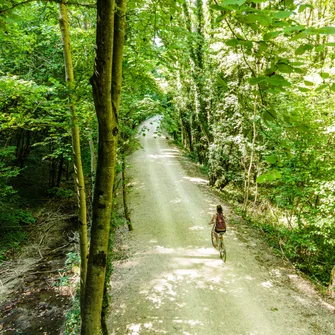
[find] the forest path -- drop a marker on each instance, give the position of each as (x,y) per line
(174,281)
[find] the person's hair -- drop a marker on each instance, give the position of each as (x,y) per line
(219,209)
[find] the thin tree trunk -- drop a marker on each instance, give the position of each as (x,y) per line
(78,169)
(124,193)
(93,160)
(254,135)
(103,192)
(332,283)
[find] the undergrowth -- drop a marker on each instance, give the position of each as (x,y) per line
(13,228)
(308,247)
(73,322)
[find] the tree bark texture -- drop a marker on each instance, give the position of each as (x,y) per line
(93,160)
(103,192)
(124,194)
(118,43)
(78,169)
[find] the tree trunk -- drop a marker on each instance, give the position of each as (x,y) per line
(103,191)
(118,43)
(331,286)
(124,193)
(93,160)
(248,176)
(78,169)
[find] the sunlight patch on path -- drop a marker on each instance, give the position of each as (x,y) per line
(196,180)
(267,284)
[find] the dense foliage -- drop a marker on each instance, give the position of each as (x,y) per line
(252,89)
(245,86)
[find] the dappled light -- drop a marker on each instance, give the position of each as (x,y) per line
(175,281)
(196,228)
(267,284)
(186,269)
(160,156)
(197,180)
(224,132)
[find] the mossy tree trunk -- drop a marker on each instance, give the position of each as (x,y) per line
(124,193)
(119,33)
(78,169)
(103,192)
(118,43)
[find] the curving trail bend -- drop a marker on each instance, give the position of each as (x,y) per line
(174,281)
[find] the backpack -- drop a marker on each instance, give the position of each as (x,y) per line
(220,224)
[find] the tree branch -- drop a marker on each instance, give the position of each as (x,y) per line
(55,1)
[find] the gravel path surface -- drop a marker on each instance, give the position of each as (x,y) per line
(174,281)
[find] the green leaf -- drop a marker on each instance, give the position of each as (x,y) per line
(251,18)
(284,68)
(297,70)
(331,44)
(282,14)
(222,84)
(262,46)
(303,89)
(303,7)
(278,80)
(270,71)
(220,18)
(269,115)
(332,87)
(272,159)
(269,176)
(217,7)
(324,75)
(255,81)
(288,3)
(303,48)
(259,18)
(265,20)
(232,43)
(326,30)
(233,2)
(271,35)
(308,83)
(297,63)
(248,44)
(320,48)
(254,27)
(262,178)
(294,29)
(321,87)
(312,31)
(298,36)
(276,174)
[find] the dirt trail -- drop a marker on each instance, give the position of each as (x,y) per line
(33,296)
(174,282)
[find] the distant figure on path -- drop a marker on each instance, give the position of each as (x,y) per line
(220,224)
